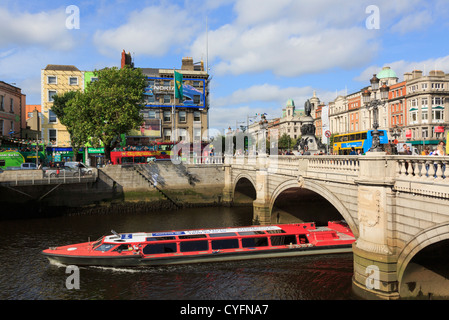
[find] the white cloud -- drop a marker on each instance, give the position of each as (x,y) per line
(151,31)
(403,66)
(263,93)
(41,29)
(289,38)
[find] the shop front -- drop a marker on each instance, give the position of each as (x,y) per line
(95,157)
(62,154)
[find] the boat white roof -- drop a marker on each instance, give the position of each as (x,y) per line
(141,236)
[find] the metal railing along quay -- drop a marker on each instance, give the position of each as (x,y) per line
(37,177)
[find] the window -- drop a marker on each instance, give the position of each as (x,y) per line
(52,80)
(196,135)
(283,240)
(152,114)
(159,248)
(51,93)
(167,134)
(189,246)
(414,116)
(167,98)
(73,81)
(424,115)
(424,102)
(12,105)
(437,101)
(167,116)
(2,102)
(437,115)
(182,116)
(105,247)
(225,244)
(52,135)
(1,127)
(425,132)
(51,117)
(196,116)
(254,242)
(149,99)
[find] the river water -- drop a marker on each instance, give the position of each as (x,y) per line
(27,275)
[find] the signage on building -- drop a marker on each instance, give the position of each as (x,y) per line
(439,129)
(408,134)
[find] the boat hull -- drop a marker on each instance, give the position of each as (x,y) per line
(138,261)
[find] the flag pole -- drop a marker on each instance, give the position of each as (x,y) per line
(174,106)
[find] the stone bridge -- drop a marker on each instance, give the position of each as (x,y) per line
(395,205)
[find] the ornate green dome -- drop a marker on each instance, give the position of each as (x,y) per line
(386,73)
(290,102)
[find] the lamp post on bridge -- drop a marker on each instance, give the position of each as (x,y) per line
(374,103)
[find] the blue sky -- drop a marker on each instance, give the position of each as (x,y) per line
(260,52)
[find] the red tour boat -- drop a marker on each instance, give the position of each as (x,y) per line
(206,245)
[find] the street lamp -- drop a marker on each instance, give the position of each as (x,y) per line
(374,103)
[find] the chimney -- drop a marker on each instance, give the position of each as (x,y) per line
(187,64)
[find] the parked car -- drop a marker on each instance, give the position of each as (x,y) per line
(63,172)
(75,165)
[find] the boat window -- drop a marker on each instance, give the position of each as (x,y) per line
(200,245)
(123,247)
(193,236)
(250,233)
(97,243)
(303,239)
(275,231)
(160,238)
(105,247)
(254,242)
(283,240)
(225,244)
(159,248)
(224,234)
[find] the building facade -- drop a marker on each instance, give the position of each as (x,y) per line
(290,122)
(427,104)
(12,111)
(167,118)
(57,79)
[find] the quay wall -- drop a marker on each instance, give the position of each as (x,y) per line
(115,189)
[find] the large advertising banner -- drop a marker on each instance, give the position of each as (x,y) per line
(193,96)
(325,123)
(150,128)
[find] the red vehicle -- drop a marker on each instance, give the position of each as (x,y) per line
(206,245)
(157,151)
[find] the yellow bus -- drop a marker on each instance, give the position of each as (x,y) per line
(362,140)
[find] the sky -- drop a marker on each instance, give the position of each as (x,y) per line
(260,53)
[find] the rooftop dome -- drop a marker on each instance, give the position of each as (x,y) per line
(290,102)
(386,73)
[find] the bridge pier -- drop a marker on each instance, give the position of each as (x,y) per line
(375,264)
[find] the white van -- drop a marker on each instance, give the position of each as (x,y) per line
(75,165)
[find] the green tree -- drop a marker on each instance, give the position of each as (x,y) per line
(111,105)
(285,142)
(70,119)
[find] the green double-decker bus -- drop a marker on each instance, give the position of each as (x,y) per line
(11,159)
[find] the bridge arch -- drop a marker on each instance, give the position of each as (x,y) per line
(240,176)
(322,191)
(421,241)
